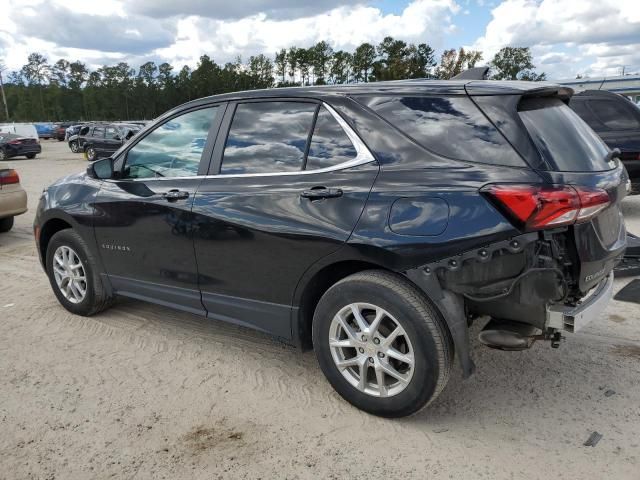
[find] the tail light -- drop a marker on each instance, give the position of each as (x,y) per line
(9,177)
(535,207)
(15,142)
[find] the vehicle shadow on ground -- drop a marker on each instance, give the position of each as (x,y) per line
(545,380)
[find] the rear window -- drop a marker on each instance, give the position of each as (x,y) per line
(449,126)
(565,142)
(615,115)
(585,113)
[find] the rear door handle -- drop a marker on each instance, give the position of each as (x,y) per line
(173,195)
(317,193)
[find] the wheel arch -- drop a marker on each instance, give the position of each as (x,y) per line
(313,286)
(48,230)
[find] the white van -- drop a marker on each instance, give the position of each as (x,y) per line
(23,129)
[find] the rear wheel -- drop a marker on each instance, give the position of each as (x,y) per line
(74,147)
(6,224)
(381,344)
(3,154)
(72,274)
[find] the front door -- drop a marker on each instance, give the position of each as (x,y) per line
(143,220)
(284,195)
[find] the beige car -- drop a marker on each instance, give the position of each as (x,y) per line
(13,198)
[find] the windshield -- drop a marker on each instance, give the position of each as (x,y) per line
(565,142)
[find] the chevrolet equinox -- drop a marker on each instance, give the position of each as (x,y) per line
(373,223)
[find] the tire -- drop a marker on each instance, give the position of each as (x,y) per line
(74,147)
(31,156)
(96,297)
(425,340)
(90,153)
(3,154)
(6,224)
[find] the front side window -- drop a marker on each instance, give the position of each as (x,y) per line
(330,144)
(267,137)
(173,149)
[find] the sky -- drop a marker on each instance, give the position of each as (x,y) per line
(567,37)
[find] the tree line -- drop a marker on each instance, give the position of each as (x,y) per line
(69,90)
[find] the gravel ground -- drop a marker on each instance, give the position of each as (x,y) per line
(142,391)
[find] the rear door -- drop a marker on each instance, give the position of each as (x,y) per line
(143,222)
(289,182)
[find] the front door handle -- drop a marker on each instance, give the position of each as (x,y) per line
(317,193)
(173,195)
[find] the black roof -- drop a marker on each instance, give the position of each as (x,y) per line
(419,86)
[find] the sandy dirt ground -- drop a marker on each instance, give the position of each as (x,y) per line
(141,391)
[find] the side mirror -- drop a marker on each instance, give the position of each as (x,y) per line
(101,169)
(117,137)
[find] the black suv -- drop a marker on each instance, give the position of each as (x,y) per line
(373,223)
(103,140)
(617,121)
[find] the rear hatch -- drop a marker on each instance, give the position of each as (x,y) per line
(564,150)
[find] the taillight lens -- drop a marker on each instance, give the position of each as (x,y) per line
(15,142)
(9,177)
(535,207)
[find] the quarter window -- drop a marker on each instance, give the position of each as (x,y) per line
(268,137)
(330,145)
(449,126)
(173,149)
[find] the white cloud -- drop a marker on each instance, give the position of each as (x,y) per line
(119,30)
(591,28)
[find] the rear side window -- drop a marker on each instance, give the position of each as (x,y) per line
(98,132)
(112,132)
(267,137)
(615,115)
(330,144)
(565,142)
(449,126)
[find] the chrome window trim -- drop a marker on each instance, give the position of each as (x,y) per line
(363,156)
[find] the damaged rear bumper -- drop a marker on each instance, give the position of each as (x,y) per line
(573,318)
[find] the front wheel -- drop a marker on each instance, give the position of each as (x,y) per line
(381,344)
(74,147)
(90,153)
(30,156)
(73,276)
(3,154)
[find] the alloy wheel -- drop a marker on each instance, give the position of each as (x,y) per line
(70,274)
(371,349)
